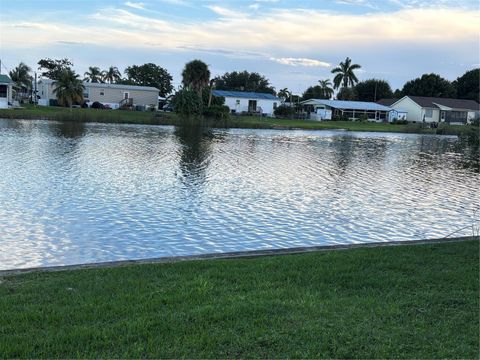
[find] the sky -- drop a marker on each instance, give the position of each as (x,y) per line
(294,43)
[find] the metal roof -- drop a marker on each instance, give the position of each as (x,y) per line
(4,79)
(108,86)
(348,105)
(245,95)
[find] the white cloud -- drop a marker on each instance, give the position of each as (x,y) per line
(255,6)
(277,32)
(135,5)
(224,12)
(300,62)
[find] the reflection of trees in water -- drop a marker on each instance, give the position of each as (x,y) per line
(195,152)
(69,129)
(343,152)
(469,144)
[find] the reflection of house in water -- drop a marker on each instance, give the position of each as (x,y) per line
(321,109)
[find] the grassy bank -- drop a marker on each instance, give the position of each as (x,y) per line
(162,118)
(416,301)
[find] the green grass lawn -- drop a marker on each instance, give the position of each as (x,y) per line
(162,118)
(413,301)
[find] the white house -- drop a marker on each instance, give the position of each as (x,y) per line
(240,101)
(6,89)
(114,95)
(322,109)
(430,109)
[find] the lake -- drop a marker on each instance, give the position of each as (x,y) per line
(74,193)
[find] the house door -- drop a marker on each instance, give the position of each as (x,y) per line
(252,105)
(126,95)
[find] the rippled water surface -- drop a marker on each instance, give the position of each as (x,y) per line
(79,193)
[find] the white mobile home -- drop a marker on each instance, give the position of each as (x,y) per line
(251,102)
(6,89)
(321,109)
(430,109)
(114,95)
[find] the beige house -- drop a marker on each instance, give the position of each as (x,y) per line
(430,109)
(114,95)
(6,90)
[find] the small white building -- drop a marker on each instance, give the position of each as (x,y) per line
(430,109)
(113,95)
(322,109)
(249,102)
(6,90)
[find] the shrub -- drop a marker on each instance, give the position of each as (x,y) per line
(284,111)
(97,105)
(187,102)
(217,112)
(400,122)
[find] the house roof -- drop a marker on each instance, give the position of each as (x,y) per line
(348,105)
(431,102)
(387,102)
(245,95)
(4,79)
(108,86)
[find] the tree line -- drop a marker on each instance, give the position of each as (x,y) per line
(345,82)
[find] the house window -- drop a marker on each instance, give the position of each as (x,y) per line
(85,94)
(428,113)
(102,92)
(237,102)
(274,105)
(126,95)
(3,91)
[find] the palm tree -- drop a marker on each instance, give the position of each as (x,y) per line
(284,94)
(345,75)
(68,88)
(326,86)
(94,75)
(22,78)
(196,76)
(112,75)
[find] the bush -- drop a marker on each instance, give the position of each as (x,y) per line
(400,122)
(187,102)
(284,111)
(217,112)
(97,105)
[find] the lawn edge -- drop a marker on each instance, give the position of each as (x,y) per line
(234,255)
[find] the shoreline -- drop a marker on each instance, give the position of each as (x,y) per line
(231,255)
(241,122)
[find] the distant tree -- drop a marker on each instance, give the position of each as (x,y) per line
(397,94)
(373,90)
(68,88)
(345,74)
(468,85)
(314,92)
(431,85)
(112,75)
(244,81)
(196,75)
(20,75)
(284,94)
(52,68)
(149,75)
(327,89)
(94,75)
(347,93)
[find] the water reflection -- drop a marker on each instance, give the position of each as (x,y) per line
(195,152)
(73,193)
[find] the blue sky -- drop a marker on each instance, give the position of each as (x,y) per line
(293,43)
